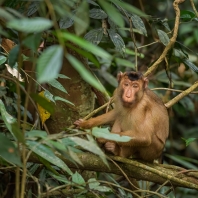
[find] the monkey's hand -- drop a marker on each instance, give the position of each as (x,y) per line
(85,124)
(112,147)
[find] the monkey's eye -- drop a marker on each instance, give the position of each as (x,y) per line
(126,84)
(135,86)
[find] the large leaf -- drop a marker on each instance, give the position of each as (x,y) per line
(89,146)
(5,15)
(86,45)
(112,12)
(85,74)
(48,155)
(94,36)
(97,14)
(109,78)
(138,24)
(117,41)
(187,15)
(30,25)
(163,37)
(104,133)
(8,151)
(49,63)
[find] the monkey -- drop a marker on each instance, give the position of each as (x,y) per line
(138,113)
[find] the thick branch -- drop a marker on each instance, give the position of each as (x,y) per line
(142,171)
(172,40)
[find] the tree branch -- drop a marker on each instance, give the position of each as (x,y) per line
(172,40)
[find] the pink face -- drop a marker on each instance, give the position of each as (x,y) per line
(130,91)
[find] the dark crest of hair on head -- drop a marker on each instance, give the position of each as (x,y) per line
(134,75)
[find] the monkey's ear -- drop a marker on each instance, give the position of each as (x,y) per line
(146,81)
(119,76)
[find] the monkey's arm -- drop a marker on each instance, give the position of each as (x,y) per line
(102,119)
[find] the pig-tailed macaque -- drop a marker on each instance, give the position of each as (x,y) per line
(138,113)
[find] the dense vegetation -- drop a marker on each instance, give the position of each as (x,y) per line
(58,62)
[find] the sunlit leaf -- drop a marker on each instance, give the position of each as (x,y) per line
(163,37)
(95,185)
(94,36)
(97,13)
(48,155)
(8,151)
(86,45)
(139,24)
(85,74)
(30,25)
(49,63)
(104,133)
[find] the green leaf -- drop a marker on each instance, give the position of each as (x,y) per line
(57,85)
(78,179)
(95,185)
(179,54)
(18,133)
(82,13)
(97,13)
(86,45)
(139,24)
(112,12)
(49,96)
(66,22)
(7,118)
(5,15)
(13,56)
(2,59)
(32,8)
(117,41)
(48,155)
(60,178)
(85,74)
(92,2)
(124,62)
(43,102)
(104,133)
(30,25)
(129,7)
(63,99)
(187,15)
(94,36)
(163,37)
(191,65)
(36,133)
(32,41)
(89,146)
(8,151)
(49,63)
(63,76)
(109,78)
(189,140)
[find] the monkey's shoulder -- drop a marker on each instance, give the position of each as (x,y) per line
(151,96)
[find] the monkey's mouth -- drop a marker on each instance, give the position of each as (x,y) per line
(127,103)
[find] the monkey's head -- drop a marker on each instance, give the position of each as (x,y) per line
(131,87)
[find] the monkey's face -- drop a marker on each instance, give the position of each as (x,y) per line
(131,91)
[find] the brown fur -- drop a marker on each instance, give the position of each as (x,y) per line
(138,113)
